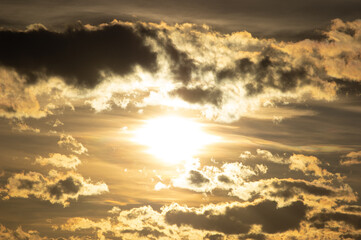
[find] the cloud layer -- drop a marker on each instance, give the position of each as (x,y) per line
(224,76)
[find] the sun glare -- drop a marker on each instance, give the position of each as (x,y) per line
(173,139)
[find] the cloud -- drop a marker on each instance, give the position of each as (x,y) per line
(56,187)
(267,155)
(297,162)
(321,219)
(58,123)
(19,234)
(261,219)
(159,186)
(199,95)
(308,165)
(236,220)
(78,55)
(288,190)
(351,158)
(59,160)
(236,179)
(209,177)
(21,126)
(15,99)
(224,76)
(196,178)
(70,143)
(208,222)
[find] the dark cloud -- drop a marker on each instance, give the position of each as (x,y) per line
(67,186)
(199,95)
(181,64)
(347,87)
(351,236)
(294,36)
(77,54)
(288,189)
(255,236)
(224,179)
(145,232)
(213,237)
(237,220)
(260,17)
(321,219)
(353,208)
(27,184)
(196,178)
(271,71)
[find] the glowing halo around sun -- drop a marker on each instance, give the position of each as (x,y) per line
(173,139)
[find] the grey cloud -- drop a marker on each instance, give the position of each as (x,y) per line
(237,220)
(66,186)
(269,72)
(182,65)
(199,95)
(224,179)
(196,178)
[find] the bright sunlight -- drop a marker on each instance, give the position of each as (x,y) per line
(173,139)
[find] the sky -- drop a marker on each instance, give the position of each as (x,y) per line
(165,120)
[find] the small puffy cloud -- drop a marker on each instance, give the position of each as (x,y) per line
(267,155)
(59,160)
(351,158)
(277,119)
(264,155)
(308,165)
(70,143)
(246,155)
(21,126)
(58,123)
(209,177)
(159,186)
(56,187)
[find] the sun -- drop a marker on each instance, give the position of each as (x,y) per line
(173,139)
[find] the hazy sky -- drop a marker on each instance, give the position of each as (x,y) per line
(180,120)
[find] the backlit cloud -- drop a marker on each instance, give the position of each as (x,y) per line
(56,187)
